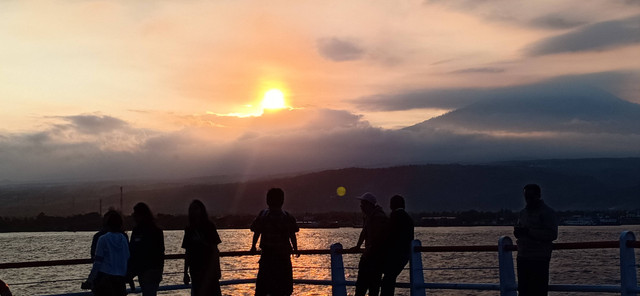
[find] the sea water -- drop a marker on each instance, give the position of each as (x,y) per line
(589,267)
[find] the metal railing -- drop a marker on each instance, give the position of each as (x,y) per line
(508,286)
(507,281)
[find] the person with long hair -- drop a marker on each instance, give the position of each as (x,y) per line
(202,260)
(109,269)
(147,250)
(401,234)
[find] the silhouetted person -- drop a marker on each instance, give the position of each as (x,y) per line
(202,258)
(374,235)
(535,230)
(110,263)
(97,235)
(4,289)
(399,244)
(278,230)
(147,250)
(94,244)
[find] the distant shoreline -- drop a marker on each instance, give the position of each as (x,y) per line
(471,218)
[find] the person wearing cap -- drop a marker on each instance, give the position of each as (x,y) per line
(400,238)
(536,229)
(374,235)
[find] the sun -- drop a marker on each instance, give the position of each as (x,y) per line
(273,99)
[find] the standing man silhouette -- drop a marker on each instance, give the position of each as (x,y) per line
(536,229)
(400,238)
(278,230)
(374,235)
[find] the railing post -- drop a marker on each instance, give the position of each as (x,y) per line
(505,261)
(628,277)
(338,282)
(416,275)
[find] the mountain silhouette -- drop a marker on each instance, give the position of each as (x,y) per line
(544,107)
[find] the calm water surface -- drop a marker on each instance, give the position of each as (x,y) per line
(567,266)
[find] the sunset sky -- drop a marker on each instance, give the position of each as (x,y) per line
(96,90)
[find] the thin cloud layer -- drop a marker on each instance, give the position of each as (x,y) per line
(479,70)
(556,22)
(552,15)
(339,50)
(600,36)
(454,98)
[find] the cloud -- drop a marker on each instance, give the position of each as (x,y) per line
(418,99)
(339,50)
(599,36)
(479,70)
(561,15)
(95,147)
(313,140)
(94,124)
(454,98)
(548,108)
(556,22)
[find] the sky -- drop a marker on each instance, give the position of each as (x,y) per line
(103,90)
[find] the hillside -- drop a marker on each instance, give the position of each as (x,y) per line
(585,184)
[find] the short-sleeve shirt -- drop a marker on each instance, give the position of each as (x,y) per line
(275,227)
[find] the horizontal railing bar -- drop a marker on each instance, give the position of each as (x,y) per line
(556,246)
(44,263)
(584,288)
(231,282)
(459,268)
(587,245)
(438,249)
(496,287)
(461,286)
(431,286)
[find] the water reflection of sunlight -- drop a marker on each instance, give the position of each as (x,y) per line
(567,266)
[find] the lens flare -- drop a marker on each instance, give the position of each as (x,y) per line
(341,191)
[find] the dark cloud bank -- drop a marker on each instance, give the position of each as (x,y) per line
(568,117)
(599,36)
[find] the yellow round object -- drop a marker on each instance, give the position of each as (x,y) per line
(341,191)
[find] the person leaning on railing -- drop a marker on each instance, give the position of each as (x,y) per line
(401,234)
(374,235)
(112,253)
(147,251)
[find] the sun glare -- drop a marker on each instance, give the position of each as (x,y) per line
(273,99)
